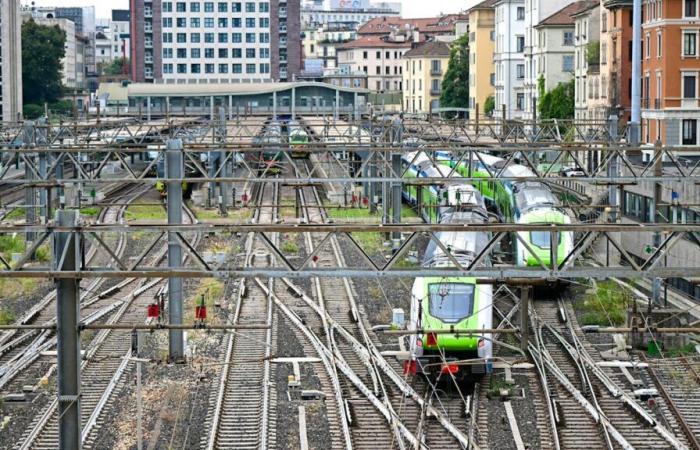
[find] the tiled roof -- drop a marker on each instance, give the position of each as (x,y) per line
(563,16)
(431,48)
(484,5)
(384,25)
(374,41)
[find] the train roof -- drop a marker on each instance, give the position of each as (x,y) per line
(515,170)
(463,246)
(531,195)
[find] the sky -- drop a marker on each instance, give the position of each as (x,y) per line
(411,8)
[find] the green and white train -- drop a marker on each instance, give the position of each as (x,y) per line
(449,304)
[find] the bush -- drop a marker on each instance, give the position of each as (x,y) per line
(6,317)
(32,111)
(62,107)
(607,306)
(489,105)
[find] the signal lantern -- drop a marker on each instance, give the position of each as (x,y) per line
(200,310)
(450,368)
(153,311)
(432,340)
(410,367)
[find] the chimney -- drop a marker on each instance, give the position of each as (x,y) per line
(416,35)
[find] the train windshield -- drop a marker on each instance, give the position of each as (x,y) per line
(451,302)
(542,239)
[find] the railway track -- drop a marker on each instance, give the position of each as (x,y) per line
(592,407)
(244,411)
(107,360)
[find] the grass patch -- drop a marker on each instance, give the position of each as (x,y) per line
(13,288)
(145,212)
(15,214)
(607,306)
(290,247)
(206,214)
(91,211)
(11,244)
(241,214)
(371,243)
(7,317)
(677,352)
(364,214)
(212,289)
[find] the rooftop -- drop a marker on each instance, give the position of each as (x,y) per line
(486,4)
(431,48)
(374,41)
(384,25)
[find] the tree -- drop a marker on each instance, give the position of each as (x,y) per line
(43,47)
(489,105)
(559,102)
(116,67)
(455,86)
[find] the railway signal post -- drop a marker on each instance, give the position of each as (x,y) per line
(66,257)
(524,316)
(174,172)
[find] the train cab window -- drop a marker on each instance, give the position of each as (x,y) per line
(451,302)
(542,239)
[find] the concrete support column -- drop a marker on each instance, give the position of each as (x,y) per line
(524,317)
(167,106)
(66,248)
(211,108)
(174,172)
(635,123)
(274,105)
(294,102)
(356,107)
(148,108)
(336,111)
(29,200)
(373,186)
(230,107)
(396,195)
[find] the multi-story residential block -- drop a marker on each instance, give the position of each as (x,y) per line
(424,69)
(199,42)
(104,50)
(120,26)
(351,16)
(320,42)
(508,58)
(670,72)
(535,11)
(85,25)
(616,57)
(482,39)
(587,23)
(380,57)
(10,61)
(553,49)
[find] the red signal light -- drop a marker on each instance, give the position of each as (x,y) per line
(153,311)
(432,340)
(410,367)
(450,368)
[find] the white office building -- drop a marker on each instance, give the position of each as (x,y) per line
(10,61)
(535,12)
(508,58)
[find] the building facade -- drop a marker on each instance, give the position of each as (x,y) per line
(616,56)
(424,69)
(553,50)
(509,59)
(351,18)
(119,25)
(587,61)
(535,11)
(670,72)
(215,42)
(70,63)
(380,57)
(482,37)
(10,61)
(320,42)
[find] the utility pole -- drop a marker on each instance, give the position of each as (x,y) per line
(173,172)
(658,189)
(524,316)
(67,257)
(635,123)
(396,194)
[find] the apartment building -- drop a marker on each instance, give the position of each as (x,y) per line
(587,73)
(320,42)
(670,72)
(616,57)
(120,27)
(380,57)
(482,37)
(535,12)
(509,59)
(69,77)
(424,69)
(353,17)
(215,42)
(10,61)
(445,28)
(553,49)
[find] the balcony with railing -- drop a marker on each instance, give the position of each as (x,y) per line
(436,71)
(282,12)
(283,42)
(147,12)
(148,43)
(435,92)
(657,103)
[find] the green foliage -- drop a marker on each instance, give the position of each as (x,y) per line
(43,48)
(455,86)
(31,111)
(558,103)
(62,107)
(91,211)
(290,247)
(6,317)
(116,67)
(15,214)
(145,212)
(489,105)
(607,306)
(593,53)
